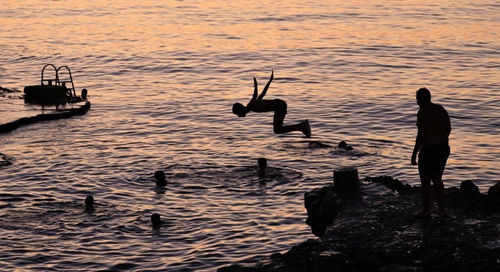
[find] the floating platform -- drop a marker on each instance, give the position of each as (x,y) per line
(56,90)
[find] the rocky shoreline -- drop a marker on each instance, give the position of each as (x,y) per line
(373,230)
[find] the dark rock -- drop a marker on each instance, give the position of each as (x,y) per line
(322,206)
(469,186)
(276,256)
(346,179)
(399,268)
(494,190)
(472,204)
(390,182)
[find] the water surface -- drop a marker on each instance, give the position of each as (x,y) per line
(162,77)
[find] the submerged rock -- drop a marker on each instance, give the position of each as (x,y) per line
(494,190)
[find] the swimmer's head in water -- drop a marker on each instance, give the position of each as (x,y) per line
(161,179)
(155,221)
(342,144)
(239,110)
(89,201)
(84,94)
(262,163)
(262,167)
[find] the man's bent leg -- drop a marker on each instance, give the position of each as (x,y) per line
(279,128)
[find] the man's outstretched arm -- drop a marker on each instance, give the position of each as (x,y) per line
(255,89)
(267,86)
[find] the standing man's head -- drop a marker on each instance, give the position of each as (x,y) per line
(239,110)
(423,96)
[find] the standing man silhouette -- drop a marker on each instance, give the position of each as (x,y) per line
(431,144)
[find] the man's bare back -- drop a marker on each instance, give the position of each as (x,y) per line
(433,124)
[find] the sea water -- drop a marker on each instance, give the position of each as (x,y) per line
(162,77)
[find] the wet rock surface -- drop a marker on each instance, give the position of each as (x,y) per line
(322,207)
(375,231)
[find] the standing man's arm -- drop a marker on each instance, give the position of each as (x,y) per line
(418,143)
(448,123)
(416,148)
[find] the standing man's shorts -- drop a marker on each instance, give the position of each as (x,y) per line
(279,106)
(432,160)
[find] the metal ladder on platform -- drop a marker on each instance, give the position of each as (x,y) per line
(57,80)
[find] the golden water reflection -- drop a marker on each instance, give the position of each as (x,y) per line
(209,25)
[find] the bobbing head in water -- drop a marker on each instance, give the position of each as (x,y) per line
(161,179)
(84,94)
(343,144)
(262,166)
(156,221)
(89,202)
